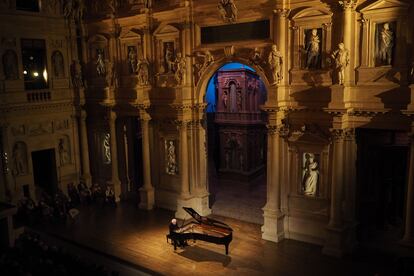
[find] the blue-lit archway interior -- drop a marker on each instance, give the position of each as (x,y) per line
(211,93)
(236,139)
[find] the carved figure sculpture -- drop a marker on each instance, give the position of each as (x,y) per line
(19,159)
(111,75)
(100,64)
(180,66)
(132,60)
(256,57)
(68,9)
(76,74)
(169,58)
(58,66)
(107,148)
(64,153)
(341,58)
(171,158)
(143,72)
(208,59)
(312,49)
(275,60)
(386,44)
(310,175)
(227,10)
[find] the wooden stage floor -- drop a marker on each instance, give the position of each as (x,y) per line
(138,237)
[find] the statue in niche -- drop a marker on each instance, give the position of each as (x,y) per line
(225,99)
(275,60)
(19,159)
(341,58)
(143,72)
(100,63)
(171,167)
(310,176)
(226,159)
(64,152)
(169,57)
(227,10)
(385,44)
(132,60)
(58,65)
(180,67)
(107,148)
(313,49)
(10,65)
(239,100)
(76,74)
(233,97)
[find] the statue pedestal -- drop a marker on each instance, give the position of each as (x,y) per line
(198,203)
(273,226)
(340,240)
(146,198)
(337,97)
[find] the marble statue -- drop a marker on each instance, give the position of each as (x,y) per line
(180,66)
(19,159)
(225,99)
(169,58)
(100,64)
(132,60)
(310,175)
(386,44)
(341,58)
(10,65)
(58,65)
(171,167)
(76,74)
(227,10)
(313,49)
(64,153)
(143,72)
(275,60)
(107,148)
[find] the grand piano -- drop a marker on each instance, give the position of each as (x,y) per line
(204,229)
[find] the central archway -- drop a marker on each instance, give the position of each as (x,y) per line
(236,142)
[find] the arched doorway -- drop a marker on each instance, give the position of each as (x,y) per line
(236,142)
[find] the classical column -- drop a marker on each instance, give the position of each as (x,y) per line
(349,37)
(334,243)
(273,228)
(84,149)
(146,191)
(408,238)
(114,156)
(183,166)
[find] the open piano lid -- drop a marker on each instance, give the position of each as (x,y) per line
(205,220)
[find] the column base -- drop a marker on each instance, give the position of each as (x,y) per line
(273,226)
(147,200)
(198,203)
(116,184)
(87,179)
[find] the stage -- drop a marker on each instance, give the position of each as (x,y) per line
(138,238)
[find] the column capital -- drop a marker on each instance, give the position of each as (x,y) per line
(348,4)
(182,123)
(282,12)
(337,134)
(349,134)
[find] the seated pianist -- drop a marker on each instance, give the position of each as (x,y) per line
(174,228)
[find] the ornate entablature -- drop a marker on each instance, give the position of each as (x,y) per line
(312,35)
(383,42)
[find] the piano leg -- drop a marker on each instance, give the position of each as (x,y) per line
(227,249)
(175,244)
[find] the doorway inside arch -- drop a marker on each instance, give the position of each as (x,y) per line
(236,136)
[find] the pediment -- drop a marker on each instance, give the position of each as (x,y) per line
(131,33)
(308,138)
(385,5)
(311,13)
(99,38)
(166,29)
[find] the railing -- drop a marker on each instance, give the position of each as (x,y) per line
(40,96)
